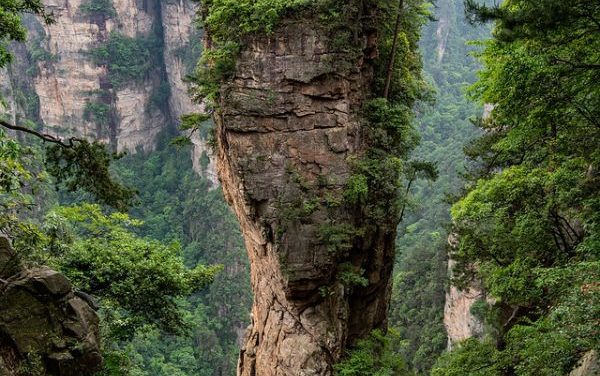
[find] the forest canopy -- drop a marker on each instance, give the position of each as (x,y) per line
(528,225)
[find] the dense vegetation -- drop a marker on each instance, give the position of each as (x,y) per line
(128,60)
(179,206)
(527,222)
(140,283)
(528,225)
(420,273)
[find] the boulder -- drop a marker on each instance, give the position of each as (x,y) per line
(44,326)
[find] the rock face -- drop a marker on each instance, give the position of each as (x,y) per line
(460,323)
(69,79)
(56,82)
(182,44)
(45,328)
(287,129)
(589,365)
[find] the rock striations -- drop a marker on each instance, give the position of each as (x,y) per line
(57,83)
(288,130)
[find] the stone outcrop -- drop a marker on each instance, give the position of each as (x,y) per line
(45,326)
(287,129)
(589,365)
(181,39)
(70,79)
(54,78)
(460,323)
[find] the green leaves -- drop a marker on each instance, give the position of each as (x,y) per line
(227,17)
(376,355)
(139,280)
(521,226)
(85,166)
(98,7)
(128,59)
(11,27)
(471,358)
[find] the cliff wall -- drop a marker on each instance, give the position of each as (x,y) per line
(57,81)
(287,130)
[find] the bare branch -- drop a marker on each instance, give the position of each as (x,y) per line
(390,68)
(43,136)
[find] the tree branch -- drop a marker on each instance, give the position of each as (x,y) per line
(43,136)
(390,68)
(577,65)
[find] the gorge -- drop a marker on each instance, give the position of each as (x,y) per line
(302,187)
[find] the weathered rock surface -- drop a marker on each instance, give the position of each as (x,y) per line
(181,39)
(44,326)
(54,78)
(589,365)
(287,129)
(460,323)
(66,83)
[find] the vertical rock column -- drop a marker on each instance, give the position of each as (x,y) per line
(287,132)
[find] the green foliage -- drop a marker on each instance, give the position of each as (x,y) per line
(139,280)
(226,22)
(350,276)
(84,166)
(103,8)
(418,295)
(470,358)
(96,112)
(377,355)
(12,28)
(13,174)
(140,283)
(32,365)
(128,59)
(215,66)
(38,54)
(227,17)
(528,221)
(23,189)
(179,206)
(338,238)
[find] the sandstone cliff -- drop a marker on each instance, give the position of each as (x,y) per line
(460,323)
(287,129)
(56,82)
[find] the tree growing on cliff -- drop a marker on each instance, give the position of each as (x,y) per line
(77,163)
(529,224)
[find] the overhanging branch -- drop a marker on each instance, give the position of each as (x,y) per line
(43,136)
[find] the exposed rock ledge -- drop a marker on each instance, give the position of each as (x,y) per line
(44,325)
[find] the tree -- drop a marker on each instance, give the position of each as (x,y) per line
(138,280)
(11,27)
(528,225)
(78,163)
(377,355)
